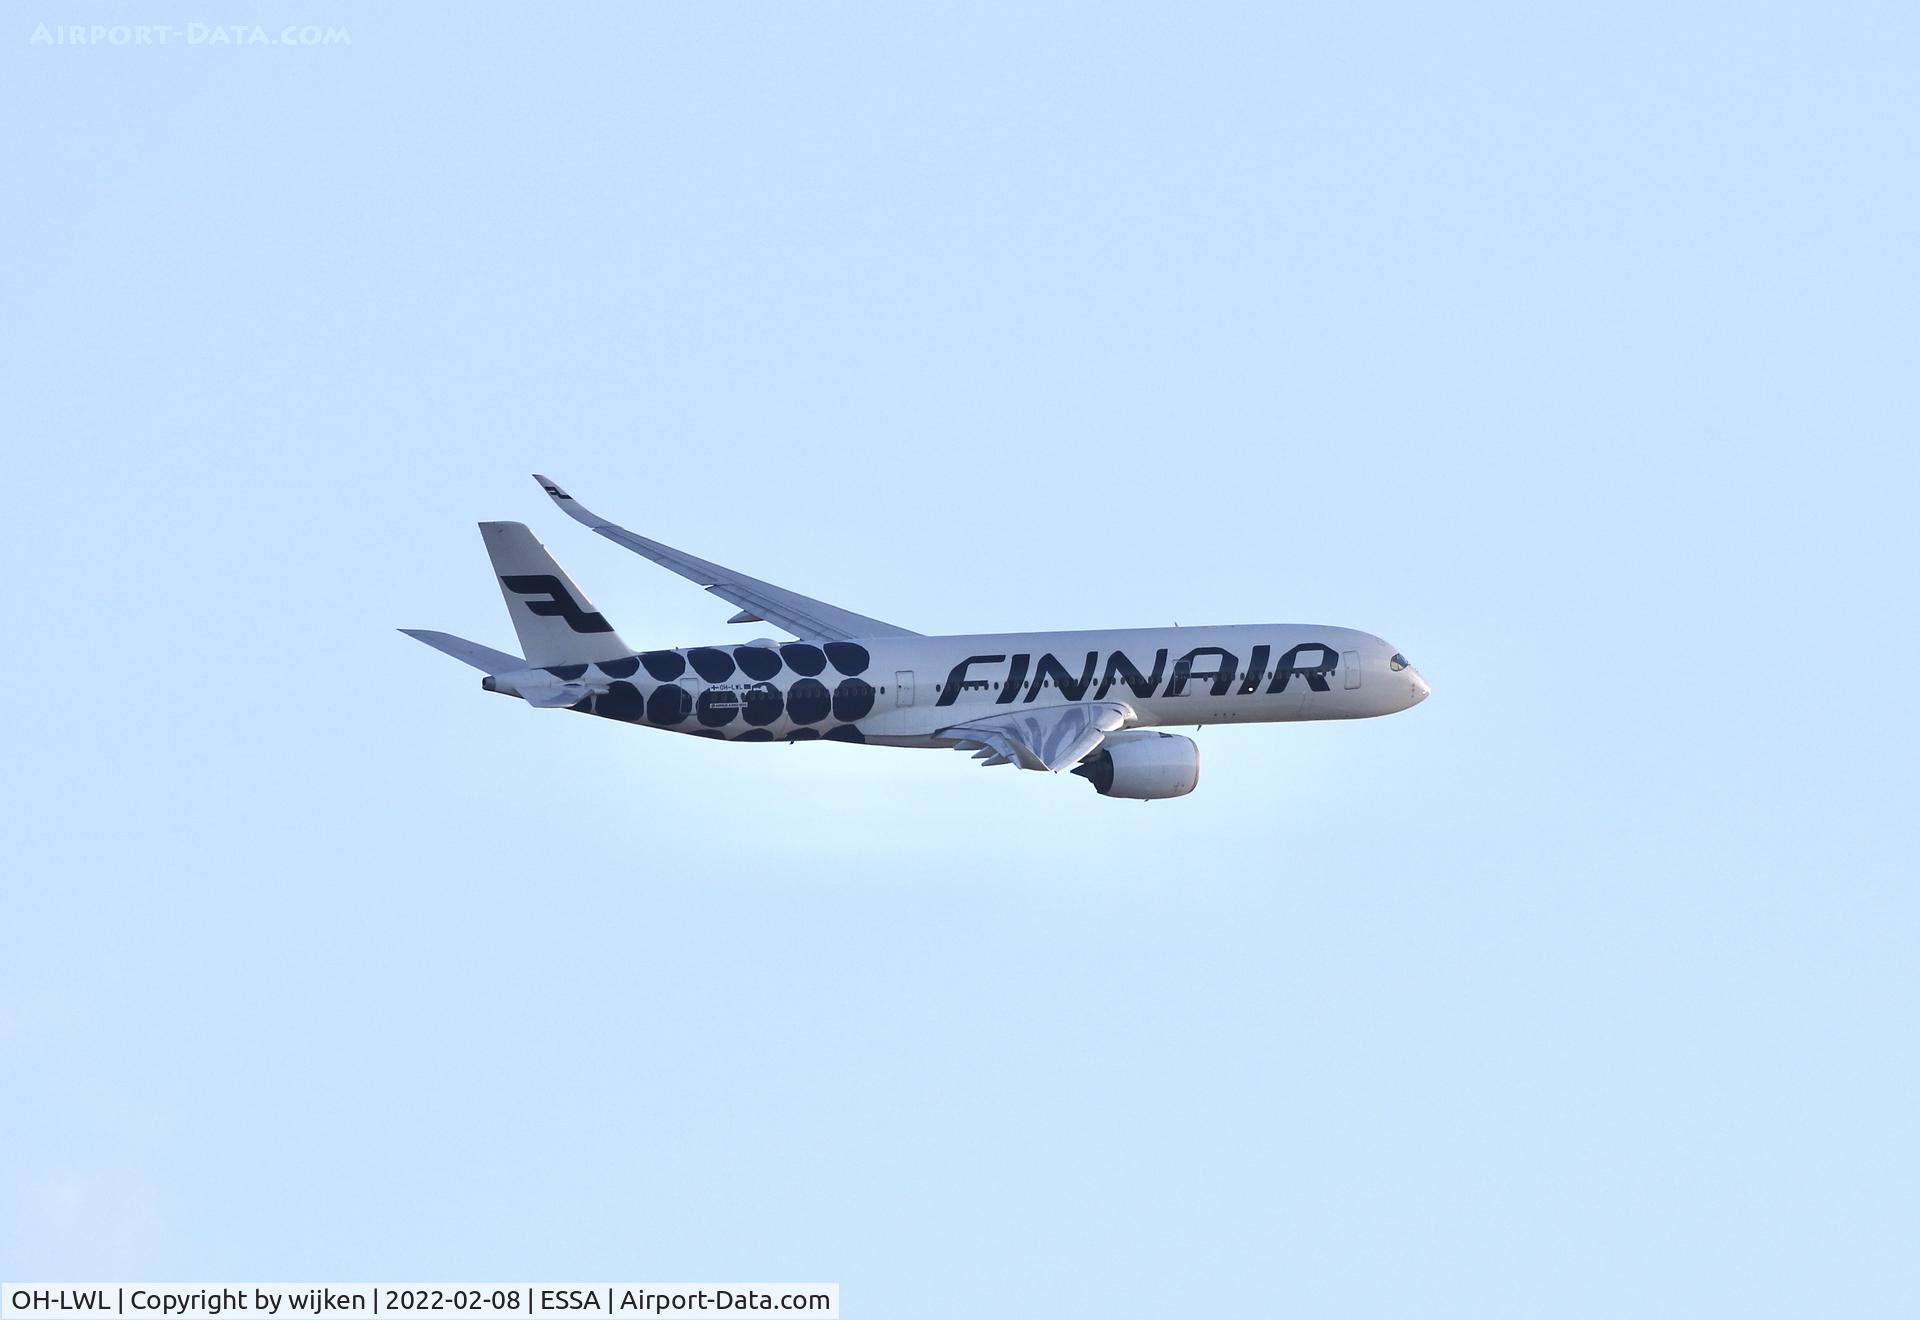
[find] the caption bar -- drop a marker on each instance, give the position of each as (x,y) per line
(362,1301)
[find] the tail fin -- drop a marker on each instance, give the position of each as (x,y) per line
(556,622)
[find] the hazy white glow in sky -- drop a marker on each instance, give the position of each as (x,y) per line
(1572,353)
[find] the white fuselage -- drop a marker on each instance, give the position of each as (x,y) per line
(903,691)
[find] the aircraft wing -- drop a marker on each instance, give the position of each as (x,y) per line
(1050,738)
(803,616)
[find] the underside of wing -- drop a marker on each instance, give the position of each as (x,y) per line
(1051,738)
(803,616)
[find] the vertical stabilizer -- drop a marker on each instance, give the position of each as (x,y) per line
(557,624)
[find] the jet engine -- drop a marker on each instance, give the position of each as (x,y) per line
(1143,764)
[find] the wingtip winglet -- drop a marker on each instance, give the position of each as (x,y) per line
(551,487)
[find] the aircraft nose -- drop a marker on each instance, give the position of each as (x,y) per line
(1420,689)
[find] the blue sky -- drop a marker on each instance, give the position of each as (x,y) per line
(1572,352)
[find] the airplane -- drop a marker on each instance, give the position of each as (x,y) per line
(1093,702)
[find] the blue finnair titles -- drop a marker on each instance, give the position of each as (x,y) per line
(1092,702)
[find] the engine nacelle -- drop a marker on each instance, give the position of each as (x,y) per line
(1143,764)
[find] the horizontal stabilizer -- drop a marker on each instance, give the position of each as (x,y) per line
(483,658)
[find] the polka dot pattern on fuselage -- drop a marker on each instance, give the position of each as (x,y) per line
(621,701)
(668,704)
(717,708)
(711,663)
(808,701)
(664,665)
(850,658)
(804,658)
(764,704)
(852,699)
(761,662)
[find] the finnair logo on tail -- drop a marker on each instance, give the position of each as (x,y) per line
(559,601)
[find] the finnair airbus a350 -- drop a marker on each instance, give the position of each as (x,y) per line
(1086,701)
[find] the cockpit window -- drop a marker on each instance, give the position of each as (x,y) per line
(1398,662)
